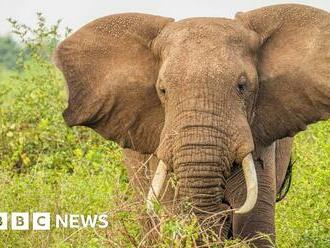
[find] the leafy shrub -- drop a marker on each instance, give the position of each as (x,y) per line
(9,51)
(303,217)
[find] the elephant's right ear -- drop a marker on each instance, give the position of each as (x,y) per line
(111,74)
(293,69)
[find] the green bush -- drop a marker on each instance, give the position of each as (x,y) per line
(302,219)
(9,51)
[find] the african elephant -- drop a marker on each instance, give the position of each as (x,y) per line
(210,98)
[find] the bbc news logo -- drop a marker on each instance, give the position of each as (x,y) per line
(42,221)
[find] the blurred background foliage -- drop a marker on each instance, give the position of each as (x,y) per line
(46,166)
(9,51)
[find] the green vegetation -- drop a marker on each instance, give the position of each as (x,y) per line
(303,218)
(9,51)
(46,166)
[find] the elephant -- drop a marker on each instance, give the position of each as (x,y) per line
(213,101)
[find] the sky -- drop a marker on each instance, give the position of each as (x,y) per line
(75,13)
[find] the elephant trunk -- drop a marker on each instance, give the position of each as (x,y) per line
(201,149)
(202,186)
(201,163)
(201,166)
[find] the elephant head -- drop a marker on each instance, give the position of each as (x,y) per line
(202,92)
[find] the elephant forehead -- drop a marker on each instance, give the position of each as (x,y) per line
(203,34)
(178,70)
(203,67)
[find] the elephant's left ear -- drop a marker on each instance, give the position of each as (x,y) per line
(293,69)
(111,74)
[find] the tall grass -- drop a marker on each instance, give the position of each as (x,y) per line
(46,166)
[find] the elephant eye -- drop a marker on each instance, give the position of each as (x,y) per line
(242,85)
(162,91)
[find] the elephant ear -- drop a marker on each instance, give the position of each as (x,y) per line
(111,74)
(293,69)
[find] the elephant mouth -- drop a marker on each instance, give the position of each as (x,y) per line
(249,175)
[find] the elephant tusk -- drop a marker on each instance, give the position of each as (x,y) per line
(251,185)
(156,184)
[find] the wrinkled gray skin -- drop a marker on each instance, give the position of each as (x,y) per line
(202,93)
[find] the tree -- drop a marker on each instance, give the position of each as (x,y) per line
(9,51)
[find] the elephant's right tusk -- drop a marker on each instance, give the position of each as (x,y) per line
(156,184)
(251,185)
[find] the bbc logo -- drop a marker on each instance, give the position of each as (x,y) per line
(21,221)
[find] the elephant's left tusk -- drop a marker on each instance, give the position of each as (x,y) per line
(251,185)
(156,184)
